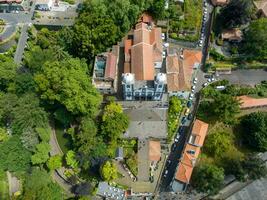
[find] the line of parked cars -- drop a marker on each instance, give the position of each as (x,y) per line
(205,17)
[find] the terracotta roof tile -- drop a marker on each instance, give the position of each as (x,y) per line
(183,173)
(249,102)
(127,49)
(110,70)
(142,61)
(199,130)
(154,150)
(172,64)
(173,82)
(141,34)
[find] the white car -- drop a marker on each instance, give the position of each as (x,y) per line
(163,36)
(164,54)
(205,84)
(191,98)
(166,172)
(166,45)
(209,80)
(191,95)
(212,79)
(200,45)
(195,79)
(175,140)
(193,87)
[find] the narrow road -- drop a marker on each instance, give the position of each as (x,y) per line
(21,44)
(14,184)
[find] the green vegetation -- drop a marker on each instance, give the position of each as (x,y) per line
(207,178)
(130,154)
(108,171)
(2,25)
(54,162)
(4,192)
(255,130)
(185,19)
(175,108)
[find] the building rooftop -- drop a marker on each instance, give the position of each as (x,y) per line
(154,150)
(232,34)
(199,131)
(11,1)
(147,122)
(111,63)
(219,2)
(249,102)
(261,5)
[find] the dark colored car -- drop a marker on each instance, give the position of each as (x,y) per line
(208,76)
(183,120)
(189,104)
(190,116)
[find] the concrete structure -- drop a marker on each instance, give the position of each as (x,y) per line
(179,70)
(105,71)
(232,35)
(44,4)
(189,156)
(261,6)
(142,78)
(250,102)
(219,2)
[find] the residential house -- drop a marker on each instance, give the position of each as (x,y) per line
(261,6)
(219,2)
(105,71)
(250,102)
(189,157)
(142,78)
(179,70)
(232,35)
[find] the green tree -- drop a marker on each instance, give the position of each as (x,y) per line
(39,186)
(7,103)
(234,167)
(114,121)
(28,114)
(67,83)
(207,178)
(3,135)
(255,130)
(256,47)
(13,156)
(29,139)
(24,83)
(7,73)
(41,154)
(225,107)
(71,159)
(218,143)
(236,13)
(108,171)
(175,105)
(54,162)
(254,167)
(44,134)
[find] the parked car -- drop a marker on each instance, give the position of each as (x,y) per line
(187,111)
(163,36)
(207,76)
(205,84)
(212,79)
(190,116)
(209,80)
(183,120)
(166,172)
(189,104)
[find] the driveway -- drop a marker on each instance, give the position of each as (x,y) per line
(246,77)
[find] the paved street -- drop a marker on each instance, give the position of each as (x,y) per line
(21,44)
(246,77)
(10,27)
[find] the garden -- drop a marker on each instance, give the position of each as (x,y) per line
(185,20)
(234,138)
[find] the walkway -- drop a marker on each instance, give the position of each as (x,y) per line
(14,184)
(58,174)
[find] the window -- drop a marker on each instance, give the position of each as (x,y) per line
(160,86)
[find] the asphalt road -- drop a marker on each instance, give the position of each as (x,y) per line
(21,44)
(245,77)
(10,28)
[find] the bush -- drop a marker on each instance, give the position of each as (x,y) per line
(173,35)
(216,56)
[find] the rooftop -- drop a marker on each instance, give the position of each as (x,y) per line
(249,102)
(219,2)
(232,34)
(262,6)
(199,130)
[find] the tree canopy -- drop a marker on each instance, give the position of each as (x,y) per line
(13,156)
(108,171)
(67,83)
(207,178)
(255,43)
(54,162)
(255,130)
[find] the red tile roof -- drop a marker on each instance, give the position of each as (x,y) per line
(191,152)
(154,150)
(110,70)
(142,62)
(200,130)
(219,2)
(249,102)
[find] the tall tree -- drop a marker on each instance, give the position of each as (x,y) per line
(68,84)
(7,73)
(54,162)
(236,13)
(255,43)
(13,156)
(108,171)
(41,154)
(207,178)
(255,130)
(29,139)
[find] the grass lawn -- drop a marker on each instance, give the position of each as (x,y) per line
(63,139)
(3,186)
